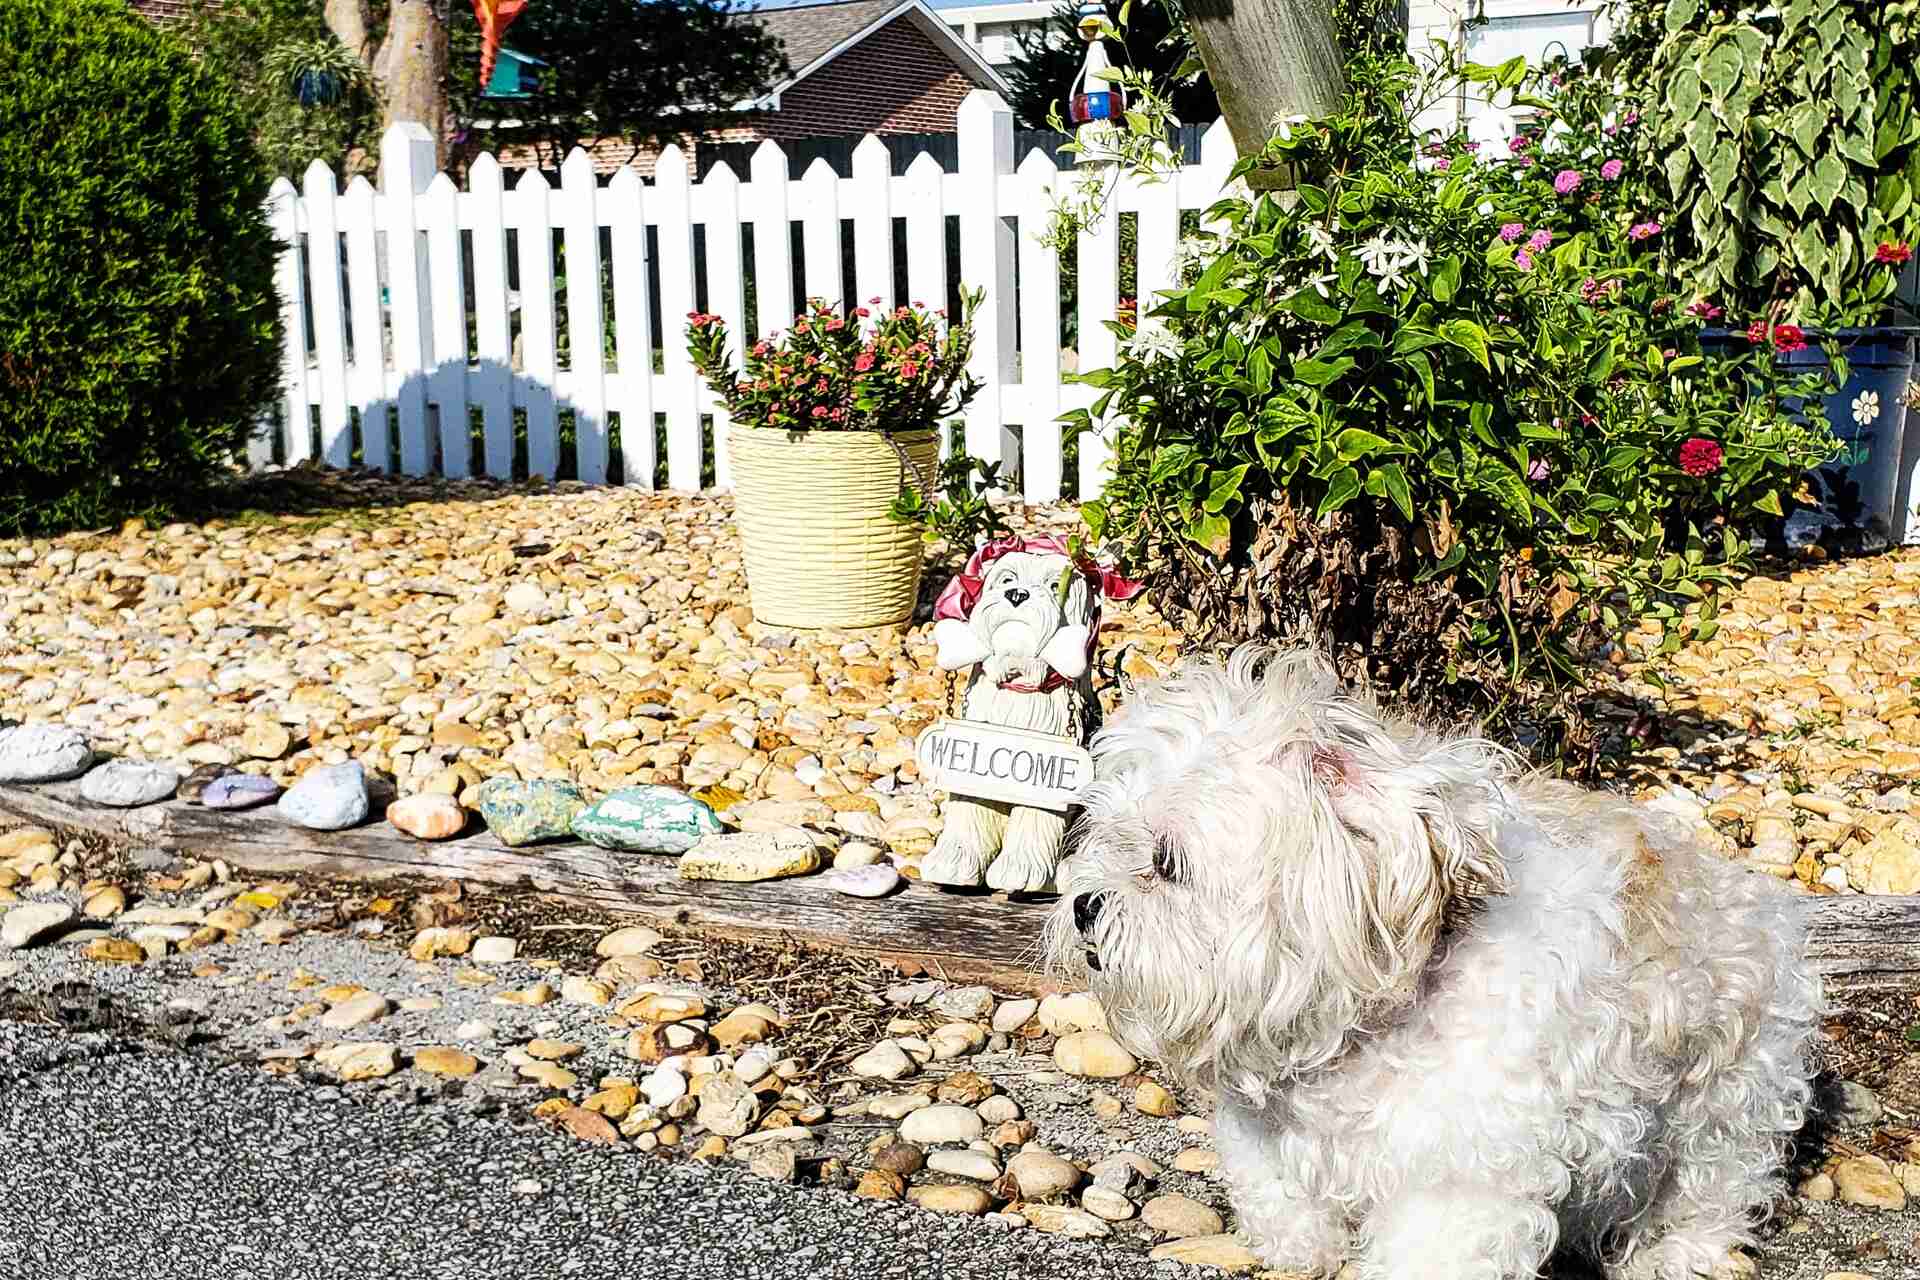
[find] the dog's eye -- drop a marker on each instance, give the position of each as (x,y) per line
(1166,863)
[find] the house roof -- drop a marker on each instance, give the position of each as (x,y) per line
(816,34)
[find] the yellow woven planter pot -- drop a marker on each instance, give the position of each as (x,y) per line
(812,509)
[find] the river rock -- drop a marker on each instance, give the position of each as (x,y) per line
(647,819)
(1058,1220)
(633,940)
(520,813)
(1041,1175)
(954,1199)
(1093,1054)
(930,1126)
(875,880)
(358,1061)
(1181,1217)
(965,1163)
(125,784)
(42,753)
(26,925)
(1221,1251)
(727,1107)
(238,791)
(329,798)
(1869,1182)
(751,855)
(428,817)
(885,1061)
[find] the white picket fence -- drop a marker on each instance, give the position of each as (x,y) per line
(384,326)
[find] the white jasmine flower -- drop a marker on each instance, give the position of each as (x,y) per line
(1414,254)
(1153,342)
(1320,240)
(1320,282)
(1866,408)
(1283,126)
(1378,255)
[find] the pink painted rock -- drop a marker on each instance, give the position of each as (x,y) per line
(429,817)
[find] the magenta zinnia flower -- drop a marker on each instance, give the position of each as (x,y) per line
(1566,180)
(1511,231)
(1612,169)
(1643,230)
(1701,457)
(1523,260)
(1539,240)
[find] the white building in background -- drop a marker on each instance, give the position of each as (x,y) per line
(1489,31)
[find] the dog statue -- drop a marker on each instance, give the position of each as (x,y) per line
(1455,1016)
(1025,615)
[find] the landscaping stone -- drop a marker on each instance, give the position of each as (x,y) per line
(521,813)
(1041,1175)
(648,819)
(965,1164)
(196,782)
(239,791)
(1180,1218)
(944,1123)
(126,784)
(42,753)
(329,798)
(428,817)
(951,1199)
(24,926)
(1059,1220)
(872,881)
(1223,1252)
(1093,1054)
(751,855)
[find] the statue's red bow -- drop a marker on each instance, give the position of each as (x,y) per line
(957,599)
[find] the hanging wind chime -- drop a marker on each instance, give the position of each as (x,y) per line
(495,16)
(1096,103)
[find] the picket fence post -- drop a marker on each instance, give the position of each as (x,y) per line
(406,168)
(284,205)
(986,260)
(586,325)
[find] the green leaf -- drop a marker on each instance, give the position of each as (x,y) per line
(1423,367)
(1170,461)
(1342,486)
(1469,337)
(1354,333)
(1683,99)
(1446,278)
(1414,337)
(1680,13)
(1320,373)
(1224,487)
(1309,305)
(1829,176)
(1722,165)
(1395,480)
(1769,502)
(1355,443)
(1214,533)
(1805,123)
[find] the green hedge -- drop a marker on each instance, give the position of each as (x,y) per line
(139,327)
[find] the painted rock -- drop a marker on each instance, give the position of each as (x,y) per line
(42,753)
(122,784)
(646,820)
(329,798)
(523,812)
(751,855)
(429,817)
(875,881)
(194,785)
(238,791)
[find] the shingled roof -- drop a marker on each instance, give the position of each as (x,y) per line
(811,32)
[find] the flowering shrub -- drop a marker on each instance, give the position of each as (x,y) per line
(898,370)
(1443,409)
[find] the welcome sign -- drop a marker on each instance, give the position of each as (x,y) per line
(993,762)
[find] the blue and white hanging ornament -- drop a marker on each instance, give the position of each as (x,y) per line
(1096,103)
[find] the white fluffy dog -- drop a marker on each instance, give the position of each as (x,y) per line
(1455,1017)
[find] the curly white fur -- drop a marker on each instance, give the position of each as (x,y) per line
(1455,1016)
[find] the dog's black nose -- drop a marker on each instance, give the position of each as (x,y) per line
(1086,910)
(1017,595)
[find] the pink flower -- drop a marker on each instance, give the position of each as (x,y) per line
(1643,230)
(1511,231)
(819,411)
(1566,180)
(862,312)
(908,369)
(1612,170)
(1701,457)
(835,324)
(760,348)
(863,362)
(1442,164)
(1523,162)
(1523,260)
(1897,254)
(1539,240)
(1519,142)
(1704,309)
(1538,469)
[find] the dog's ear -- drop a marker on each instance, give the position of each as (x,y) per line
(1066,652)
(959,645)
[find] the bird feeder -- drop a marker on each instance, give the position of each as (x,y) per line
(1096,103)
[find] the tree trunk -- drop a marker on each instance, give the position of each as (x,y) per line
(351,22)
(412,69)
(1267,59)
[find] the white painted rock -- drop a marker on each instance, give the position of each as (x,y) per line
(42,753)
(123,784)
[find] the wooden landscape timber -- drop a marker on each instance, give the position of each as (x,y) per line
(1857,941)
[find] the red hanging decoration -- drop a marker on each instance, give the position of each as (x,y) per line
(495,17)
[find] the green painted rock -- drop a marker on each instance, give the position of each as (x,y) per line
(646,820)
(524,812)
